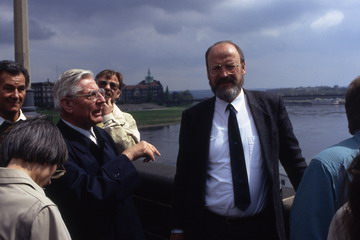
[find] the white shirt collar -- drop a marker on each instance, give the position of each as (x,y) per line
(221,104)
(87,133)
(21,117)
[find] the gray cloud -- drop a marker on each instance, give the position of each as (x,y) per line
(171,37)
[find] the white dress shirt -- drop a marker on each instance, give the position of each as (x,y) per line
(87,133)
(219,187)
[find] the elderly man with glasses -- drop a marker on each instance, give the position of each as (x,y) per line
(120,125)
(95,193)
(32,155)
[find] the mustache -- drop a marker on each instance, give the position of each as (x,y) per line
(13,100)
(227,79)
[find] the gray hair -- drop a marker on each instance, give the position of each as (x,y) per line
(67,84)
(35,140)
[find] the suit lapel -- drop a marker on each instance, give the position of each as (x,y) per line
(80,147)
(206,119)
(262,121)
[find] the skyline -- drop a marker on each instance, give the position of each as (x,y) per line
(286,44)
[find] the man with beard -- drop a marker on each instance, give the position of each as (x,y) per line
(225,190)
(120,125)
(14,79)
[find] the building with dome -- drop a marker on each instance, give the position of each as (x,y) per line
(148,90)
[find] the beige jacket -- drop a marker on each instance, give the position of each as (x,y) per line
(122,128)
(26,213)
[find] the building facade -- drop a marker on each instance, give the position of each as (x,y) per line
(43,94)
(148,90)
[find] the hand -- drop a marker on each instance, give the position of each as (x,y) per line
(142,149)
(176,236)
(108,107)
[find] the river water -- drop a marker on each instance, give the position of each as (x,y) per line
(315,126)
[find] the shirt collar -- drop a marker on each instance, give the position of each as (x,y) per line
(87,133)
(221,104)
(21,117)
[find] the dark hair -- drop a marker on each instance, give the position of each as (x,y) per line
(14,68)
(242,58)
(108,73)
(35,140)
(352,103)
(351,218)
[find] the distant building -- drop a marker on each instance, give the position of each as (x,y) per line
(148,90)
(43,94)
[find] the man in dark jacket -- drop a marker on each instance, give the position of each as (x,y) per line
(227,178)
(94,196)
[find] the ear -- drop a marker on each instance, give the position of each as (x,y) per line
(66,104)
(243,71)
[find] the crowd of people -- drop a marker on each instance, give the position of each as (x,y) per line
(226,185)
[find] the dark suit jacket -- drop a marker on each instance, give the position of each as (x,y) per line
(94,196)
(277,141)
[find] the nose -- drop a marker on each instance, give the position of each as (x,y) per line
(107,86)
(223,72)
(100,98)
(15,94)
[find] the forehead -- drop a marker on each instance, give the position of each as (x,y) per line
(6,78)
(87,84)
(113,78)
(223,52)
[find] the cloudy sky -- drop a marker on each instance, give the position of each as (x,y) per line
(286,43)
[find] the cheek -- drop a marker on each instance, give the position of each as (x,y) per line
(212,81)
(22,96)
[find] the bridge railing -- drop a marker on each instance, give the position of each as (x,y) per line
(153,199)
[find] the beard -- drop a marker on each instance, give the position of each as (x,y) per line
(227,92)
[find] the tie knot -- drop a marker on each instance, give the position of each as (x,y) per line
(231,108)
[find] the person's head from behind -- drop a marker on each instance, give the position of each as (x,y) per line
(78,98)
(14,79)
(112,82)
(225,65)
(352,103)
(35,146)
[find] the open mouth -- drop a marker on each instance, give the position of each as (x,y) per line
(97,112)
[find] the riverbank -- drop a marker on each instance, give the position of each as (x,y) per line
(145,114)
(139,107)
(153,115)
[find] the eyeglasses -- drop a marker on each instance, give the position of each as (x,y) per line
(59,172)
(216,70)
(92,95)
(113,86)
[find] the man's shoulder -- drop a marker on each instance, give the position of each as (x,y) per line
(262,96)
(202,106)
(339,154)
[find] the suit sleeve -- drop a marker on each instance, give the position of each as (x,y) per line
(314,204)
(180,179)
(114,181)
(289,149)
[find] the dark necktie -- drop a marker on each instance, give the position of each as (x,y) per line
(238,165)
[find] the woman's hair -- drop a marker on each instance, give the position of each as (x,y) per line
(351,218)
(35,140)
